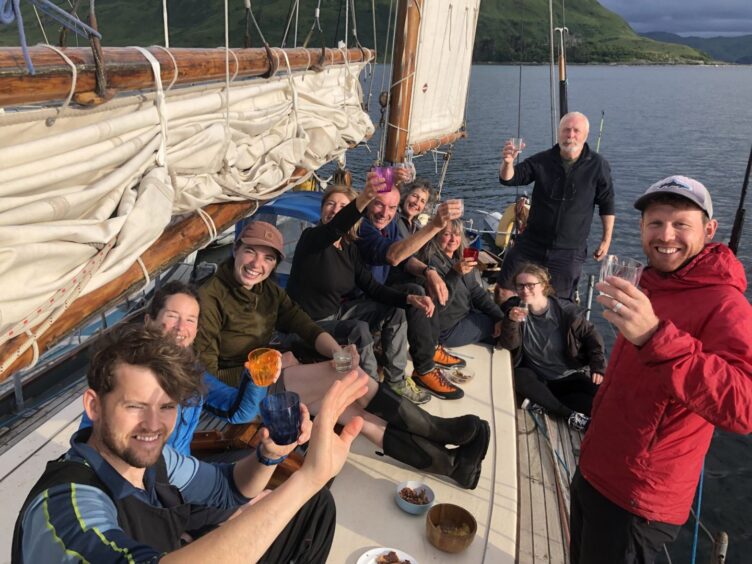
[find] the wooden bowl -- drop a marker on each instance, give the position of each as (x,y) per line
(450,528)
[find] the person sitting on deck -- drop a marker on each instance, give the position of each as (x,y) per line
(328,248)
(681,365)
(382,247)
(120,493)
(470,315)
(175,310)
(559,356)
(240,309)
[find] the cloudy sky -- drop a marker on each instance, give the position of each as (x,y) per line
(686,17)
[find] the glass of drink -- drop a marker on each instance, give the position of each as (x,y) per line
(408,167)
(461,204)
(342,360)
(470,252)
(626,268)
(517,143)
(387,173)
(281,415)
(524,306)
(264,365)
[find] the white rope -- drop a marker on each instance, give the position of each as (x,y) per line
(165,25)
(211,227)
(228,135)
(74,80)
(293,91)
(147,278)
(34,348)
(41,27)
(160,103)
(175,73)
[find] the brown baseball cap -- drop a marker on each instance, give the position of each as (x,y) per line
(262,233)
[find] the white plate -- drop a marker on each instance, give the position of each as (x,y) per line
(370,556)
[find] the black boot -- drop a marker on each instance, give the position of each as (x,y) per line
(405,415)
(462,464)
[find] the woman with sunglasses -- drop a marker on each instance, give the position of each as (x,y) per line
(470,315)
(559,356)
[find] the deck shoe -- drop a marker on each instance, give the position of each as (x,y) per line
(436,383)
(475,452)
(444,358)
(462,464)
(405,415)
(408,390)
(578,421)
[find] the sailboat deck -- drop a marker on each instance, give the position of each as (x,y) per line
(517,503)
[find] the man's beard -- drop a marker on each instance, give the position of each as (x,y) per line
(129,455)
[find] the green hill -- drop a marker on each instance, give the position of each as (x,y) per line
(508,30)
(730,49)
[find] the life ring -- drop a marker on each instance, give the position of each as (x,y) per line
(512,221)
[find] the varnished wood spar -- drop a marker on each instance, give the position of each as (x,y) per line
(403,79)
(178,241)
(425,146)
(127,69)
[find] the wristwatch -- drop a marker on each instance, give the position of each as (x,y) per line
(268,461)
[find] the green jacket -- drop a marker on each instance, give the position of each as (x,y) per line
(234,321)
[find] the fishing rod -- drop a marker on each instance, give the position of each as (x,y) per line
(736,232)
(563,104)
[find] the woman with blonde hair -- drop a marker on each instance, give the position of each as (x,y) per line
(559,356)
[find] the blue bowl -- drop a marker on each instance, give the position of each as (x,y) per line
(414,508)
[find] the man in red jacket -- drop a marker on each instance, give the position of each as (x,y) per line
(681,365)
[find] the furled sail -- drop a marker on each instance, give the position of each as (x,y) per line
(83,192)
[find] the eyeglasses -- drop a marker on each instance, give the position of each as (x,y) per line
(529,286)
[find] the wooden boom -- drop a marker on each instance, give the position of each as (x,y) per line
(127,69)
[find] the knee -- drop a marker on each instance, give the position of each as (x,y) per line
(360,335)
(411,288)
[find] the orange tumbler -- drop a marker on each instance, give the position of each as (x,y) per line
(264,365)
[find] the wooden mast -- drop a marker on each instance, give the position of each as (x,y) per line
(127,69)
(403,78)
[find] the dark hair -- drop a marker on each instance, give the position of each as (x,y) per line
(417,184)
(540,272)
(170,289)
(175,368)
(675,201)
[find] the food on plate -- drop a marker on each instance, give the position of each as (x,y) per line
(390,557)
(417,496)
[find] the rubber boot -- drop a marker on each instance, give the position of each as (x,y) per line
(462,464)
(405,415)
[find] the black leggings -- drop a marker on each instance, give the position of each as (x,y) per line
(561,397)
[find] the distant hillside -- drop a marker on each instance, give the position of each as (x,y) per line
(508,30)
(730,49)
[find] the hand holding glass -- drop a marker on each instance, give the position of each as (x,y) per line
(281,416)
(518,143)
(626,268)
(387,173)
(264,365)
(342,360)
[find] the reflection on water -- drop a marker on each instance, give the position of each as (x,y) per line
(658,121)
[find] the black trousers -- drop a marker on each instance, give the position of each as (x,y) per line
(604,533)
(422,332)
(308,537)
(561,397)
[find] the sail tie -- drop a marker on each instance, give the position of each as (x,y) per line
(147,278)
(176,72)
(74,78)
(34,347)
(160,104)
(210,225)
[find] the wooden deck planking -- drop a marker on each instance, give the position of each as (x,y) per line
(525,434)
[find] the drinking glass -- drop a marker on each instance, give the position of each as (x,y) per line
(264,364)
(517,143)
(387,173)
(342,360)
(281,415)
(461,203)
(626,268)
(471,253)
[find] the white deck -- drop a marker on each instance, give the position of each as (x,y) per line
(367,515)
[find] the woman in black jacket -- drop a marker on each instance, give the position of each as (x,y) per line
(559,356)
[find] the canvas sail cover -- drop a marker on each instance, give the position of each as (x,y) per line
(442,74)
(84,192)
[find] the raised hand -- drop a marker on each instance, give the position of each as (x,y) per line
(628,309)
(270,449)
(465,265)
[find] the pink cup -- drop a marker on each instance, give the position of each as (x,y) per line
(387,173)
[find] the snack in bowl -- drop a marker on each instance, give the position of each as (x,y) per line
(414,497)
(450,527)
(459,375)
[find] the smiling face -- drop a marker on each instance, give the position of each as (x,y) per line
(530,289)
(131,422)
(449,240)
(415,203)
(672,236)
(335,202)
(383,208)
(573,132)
(253,264)
(179,318)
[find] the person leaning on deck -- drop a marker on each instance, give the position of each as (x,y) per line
(327,267)
(382,248)
(681,365)
(121,494)
(559,357)
(175,310)
(470,314)
(240,308)
(570,180)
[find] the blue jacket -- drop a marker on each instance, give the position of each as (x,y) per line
(373,246)
(236,405)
